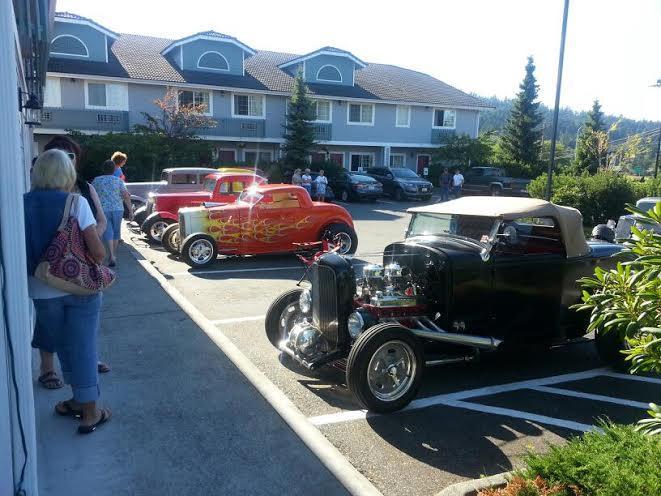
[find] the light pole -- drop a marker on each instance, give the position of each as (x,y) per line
(554,134)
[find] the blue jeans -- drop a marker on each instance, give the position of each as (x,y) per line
(70,325)
(114,226)
(445,192)
(456,191)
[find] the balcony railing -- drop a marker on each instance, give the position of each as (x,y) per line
(323,132)
(441,136)
(241,128)
(85,120)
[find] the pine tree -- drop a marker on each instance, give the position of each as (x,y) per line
(595,120)
(590,145)
(299,132)
(521,141)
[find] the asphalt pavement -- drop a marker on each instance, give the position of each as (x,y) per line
(469,420)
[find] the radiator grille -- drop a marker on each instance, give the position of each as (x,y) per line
(324,303)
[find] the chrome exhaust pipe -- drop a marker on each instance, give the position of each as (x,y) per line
(483,342)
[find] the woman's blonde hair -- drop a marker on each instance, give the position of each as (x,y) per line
(53,170)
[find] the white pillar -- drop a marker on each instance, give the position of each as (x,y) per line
(386,156)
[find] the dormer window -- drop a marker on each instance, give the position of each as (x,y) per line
(329,73)
(67,44)
(214,61)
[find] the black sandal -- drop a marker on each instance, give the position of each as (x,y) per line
(67,410)
(88,429)
(50,380)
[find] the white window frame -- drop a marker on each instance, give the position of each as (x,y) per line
(403,155)
(350,123)
(408,121)
(351,154)
(106,107)
(57,96)
(209,112)
(255,150)
(213,68)
(87,50)
(433,118)
(330,111)
(330,80)
(263,97)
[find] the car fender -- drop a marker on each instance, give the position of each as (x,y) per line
(138,199)
(167,215)
(496,183)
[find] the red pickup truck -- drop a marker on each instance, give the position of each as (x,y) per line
(219,187)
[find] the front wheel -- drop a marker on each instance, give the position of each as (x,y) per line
(282,315)
(170,239)
(345,196)
(345,236)
(398,195)
(384,368)
(199,250)
(154,228)
(496,191)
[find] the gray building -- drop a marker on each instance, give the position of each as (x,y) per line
(366,114)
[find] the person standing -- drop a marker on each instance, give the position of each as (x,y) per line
(119,159)
(296,179)
(445,183)
(306,181)
(72,320)
(321,182)
(457,183)
(112,192)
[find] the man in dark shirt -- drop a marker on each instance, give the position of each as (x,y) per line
(445,180)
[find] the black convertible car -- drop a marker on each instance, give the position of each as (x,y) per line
(473,275)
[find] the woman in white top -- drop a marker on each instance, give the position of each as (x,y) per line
(320,185)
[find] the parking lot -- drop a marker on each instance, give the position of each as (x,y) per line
(469,419)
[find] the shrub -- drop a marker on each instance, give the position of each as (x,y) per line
(520,486)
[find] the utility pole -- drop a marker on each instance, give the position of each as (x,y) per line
(563,36)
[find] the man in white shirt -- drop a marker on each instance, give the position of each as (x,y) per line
(457,183)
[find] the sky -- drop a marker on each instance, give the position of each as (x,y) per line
(613,48)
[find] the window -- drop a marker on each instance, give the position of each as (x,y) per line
(52,93)
(257,158)
(110,96)
(213,60)
(323,111)
(96,94)
(444,118)
(329,73)
(361,161)
(183,179)
(66,44)
(397,160)
(361,114)
(403,117)
(226,156)
(248,106)
(530,236)
(191,97)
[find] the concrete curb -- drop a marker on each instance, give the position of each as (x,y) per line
(355,482)
(471,487)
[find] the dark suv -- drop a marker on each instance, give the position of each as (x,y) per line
(401,183)
(493,181)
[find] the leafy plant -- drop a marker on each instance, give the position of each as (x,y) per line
(519,486)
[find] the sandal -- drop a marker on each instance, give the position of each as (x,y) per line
(65,409)
(50,380)
(88,429)
(103,367)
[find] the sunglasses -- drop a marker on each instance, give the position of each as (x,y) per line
(72,156)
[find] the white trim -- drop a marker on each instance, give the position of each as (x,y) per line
(181,57)
(87,51)
(433,118)
(243,62)
(311,55)
(209,112)
(330,112)
(257,151)
(408,123)
(403,155)
(329,80)
(350,123)
(105,45)
(91,24)
(477,125)
(351,154)
(213,68)
(196,37)
(106,106)
(263,116)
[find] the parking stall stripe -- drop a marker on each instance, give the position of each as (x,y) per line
(339,417)
(590,396)
(630,377)
(238,319)
(230,271)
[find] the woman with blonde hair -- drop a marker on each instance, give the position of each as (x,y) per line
(72,321)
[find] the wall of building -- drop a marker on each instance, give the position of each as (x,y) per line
(93,39)
(343,64)
(193,50)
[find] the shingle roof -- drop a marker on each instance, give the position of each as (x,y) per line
(69,15)
(139,57)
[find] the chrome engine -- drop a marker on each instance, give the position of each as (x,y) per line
(389,286)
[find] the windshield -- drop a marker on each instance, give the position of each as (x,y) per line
(405,173)
(209,185)
(471,227)
(250,196)
(645,205)
(362,179)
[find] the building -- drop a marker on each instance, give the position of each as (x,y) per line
(367,114)
(24,40)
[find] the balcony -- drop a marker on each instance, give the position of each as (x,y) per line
(441,136)
(240,128)
(323,132)
(85,120)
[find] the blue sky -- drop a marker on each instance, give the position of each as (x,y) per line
(613,46)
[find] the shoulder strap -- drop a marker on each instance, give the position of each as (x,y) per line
(69,206)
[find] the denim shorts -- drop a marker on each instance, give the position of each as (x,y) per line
(113,231)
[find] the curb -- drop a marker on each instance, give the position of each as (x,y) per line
(471,487)
(354,482)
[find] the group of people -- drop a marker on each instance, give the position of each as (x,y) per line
(68,324)
(305,180)
(451,185)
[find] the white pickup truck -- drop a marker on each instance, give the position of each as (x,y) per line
(626,222)
(173,180)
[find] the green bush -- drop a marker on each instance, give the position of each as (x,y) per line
(620,461)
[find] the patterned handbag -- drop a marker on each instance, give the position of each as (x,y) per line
(66,264)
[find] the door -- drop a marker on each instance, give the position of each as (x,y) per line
(227,156)
(423,163)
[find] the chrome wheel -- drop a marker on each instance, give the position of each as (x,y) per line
(290,316)
(174,239)
(344,240)
(391,370)
(201,251)
(156,229)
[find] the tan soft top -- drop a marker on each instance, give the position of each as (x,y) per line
(569,219)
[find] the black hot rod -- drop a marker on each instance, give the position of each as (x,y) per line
(474,274)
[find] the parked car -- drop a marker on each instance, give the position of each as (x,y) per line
(219,187)
(472,275)
(401,183)
(272,218)
(352,186)
(494,181)
(626,222)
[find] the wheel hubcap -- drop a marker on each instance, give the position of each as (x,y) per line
(391,371)
(290,316)
(157,229)
(200,251)
(174,239)
(344,241)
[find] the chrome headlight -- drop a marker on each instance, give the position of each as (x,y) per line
(305,301)
(355,324)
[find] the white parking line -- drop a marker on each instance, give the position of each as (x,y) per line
(231,271)
(640,378)
(238,319)
(589,396)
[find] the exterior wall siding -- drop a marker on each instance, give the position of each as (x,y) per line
(343,64)
(193,50)
(93,39)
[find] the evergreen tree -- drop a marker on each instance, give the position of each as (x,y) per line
(521,141)
(595,120)
(592,143)
(299,132)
